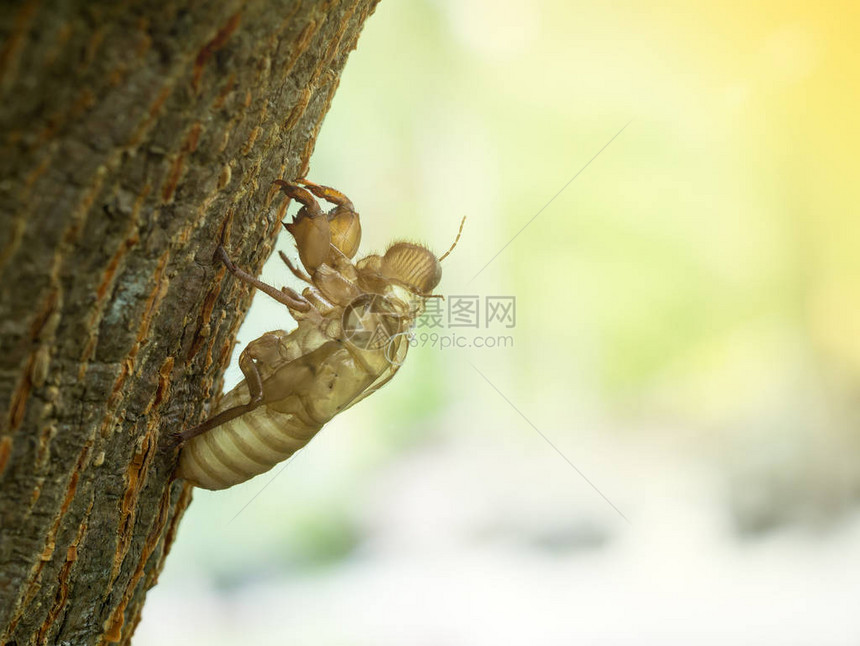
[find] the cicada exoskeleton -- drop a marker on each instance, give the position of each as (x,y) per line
(352,336)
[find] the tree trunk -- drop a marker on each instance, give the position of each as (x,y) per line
(133,138)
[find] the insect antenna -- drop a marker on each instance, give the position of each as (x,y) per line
(456,240)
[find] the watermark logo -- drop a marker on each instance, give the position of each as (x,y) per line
(370,321)
(469,311)
(501,310)
(374,322)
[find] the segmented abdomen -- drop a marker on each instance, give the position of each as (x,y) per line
(307,379)
(243,447)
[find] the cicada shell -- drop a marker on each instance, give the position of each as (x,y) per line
(352,336)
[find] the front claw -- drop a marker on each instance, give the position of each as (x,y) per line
(344,222)
(300,195)
(327,193)
(309,227)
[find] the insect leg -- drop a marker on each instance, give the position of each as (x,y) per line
(310,227)
(328,194)
(300,195)
(263,350)
(344,223)
(212,422)
(298,273)
(288,297)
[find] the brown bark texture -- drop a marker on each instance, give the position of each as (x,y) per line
(134,136)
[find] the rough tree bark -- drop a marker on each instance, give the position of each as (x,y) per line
(133,137)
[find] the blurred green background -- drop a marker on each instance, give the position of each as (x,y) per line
(686,350)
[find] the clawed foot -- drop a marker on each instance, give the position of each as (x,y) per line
(174,440)
(300,195)
(327,193)
(221,254)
